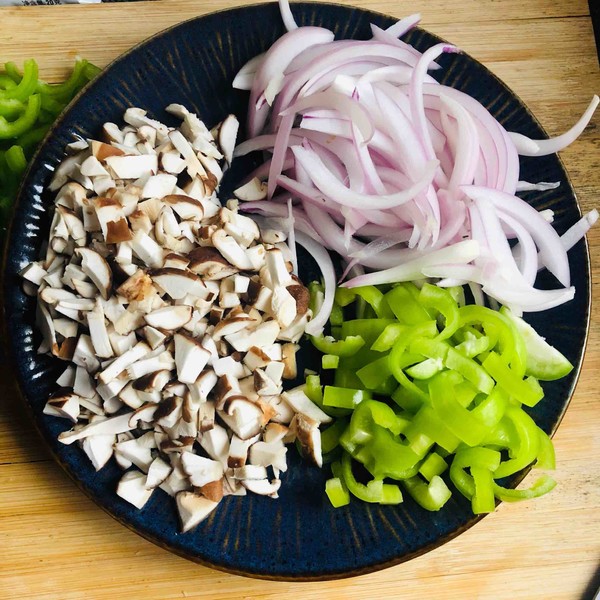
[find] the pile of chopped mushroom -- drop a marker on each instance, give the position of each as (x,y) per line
(179,318)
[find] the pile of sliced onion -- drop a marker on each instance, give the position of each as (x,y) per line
(397,173)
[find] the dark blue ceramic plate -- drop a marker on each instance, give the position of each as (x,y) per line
(300,536)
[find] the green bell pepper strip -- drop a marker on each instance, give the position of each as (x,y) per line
(428,423)
(376,300)
(67,89)
(377,376)
(405,307)
(336,318)
(346,347)
(26,86)
(12,129)
(10,108)
(465,393)
(433,465)
(371,413)
(394,362)
(542,485)
(348,398)
(12,71)
(483,500)
(527,391)
(431,348)
(528,442)
(442,301)
(317,296)
(337,492)
(407,400)
(546,458)
(7,83)
(503,437)
(470,369)
(52,106)
(425,369)
(513,348)
(30,139)
(330,361)
(330,437)
(457,419)
(458,294)
(336,332)
(431,496)
(368,329)
(344,296)
(492,408)
(91,71)
(389,457)
(371,492)
(398,350)
(374,374)
(314,391)
(473,346)
(15,160)
(484,458)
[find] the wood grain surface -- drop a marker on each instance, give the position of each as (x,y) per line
(57,544)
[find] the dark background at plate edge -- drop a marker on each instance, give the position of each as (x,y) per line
(120,515)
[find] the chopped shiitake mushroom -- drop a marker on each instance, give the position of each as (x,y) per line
(178,317)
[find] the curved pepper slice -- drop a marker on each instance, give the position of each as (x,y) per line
(26,86)
(375,491)
(484,458)
(512,345)
(542,486)
(442,301)
(346,347)
(12,129)
(431,496)
(528,442)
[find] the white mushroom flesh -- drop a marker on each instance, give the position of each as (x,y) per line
(172,311)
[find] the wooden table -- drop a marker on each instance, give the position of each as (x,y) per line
(57,544)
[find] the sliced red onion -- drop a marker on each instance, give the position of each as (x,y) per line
(272,68)
(578,231)
(245,76)
(399,28)
(558,143)
(460,253)
(286,15)
(542,186)
(399,173)
(332,187)
(323,260)
(552,253)
(291,236)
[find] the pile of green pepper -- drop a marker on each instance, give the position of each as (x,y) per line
(28,106)
(424,383)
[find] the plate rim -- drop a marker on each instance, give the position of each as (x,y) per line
(44,435)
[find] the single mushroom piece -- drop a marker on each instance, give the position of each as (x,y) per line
(170,317)
(300,402)
(262,487)
(178,283)
(193,509)
(190,357)
(201,470)
(63,403)
(97,269)
(132,488)
(227,136)
(252,191)
(99,449)
(309,436)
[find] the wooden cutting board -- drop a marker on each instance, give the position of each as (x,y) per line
(57,544)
